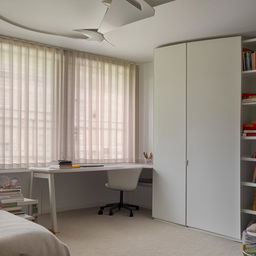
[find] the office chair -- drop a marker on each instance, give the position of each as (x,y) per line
(122,180)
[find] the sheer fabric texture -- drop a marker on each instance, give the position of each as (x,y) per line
(57,104)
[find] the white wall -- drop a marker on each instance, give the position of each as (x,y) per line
(84,190)
(145,117)
(143,195)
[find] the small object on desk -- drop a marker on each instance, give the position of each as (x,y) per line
(76,166)
(92,165)
(64,164)
(148,157)
(87,165)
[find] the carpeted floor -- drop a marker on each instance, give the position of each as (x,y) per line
(89,234)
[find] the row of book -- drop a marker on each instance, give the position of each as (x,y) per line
(249,59)
(9,200)
(249,129)
(248,97)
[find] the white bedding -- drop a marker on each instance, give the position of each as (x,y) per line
(20,237)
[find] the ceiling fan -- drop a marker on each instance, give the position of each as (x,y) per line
(118,13)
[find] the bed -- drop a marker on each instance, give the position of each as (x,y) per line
(20,237)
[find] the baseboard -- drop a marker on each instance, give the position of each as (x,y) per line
(200,230)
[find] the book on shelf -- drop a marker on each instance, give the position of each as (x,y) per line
(250,126)
(10,197)
(9,190)
(17,212)
(248,59)
(249,100)
(249,134)
(12,209)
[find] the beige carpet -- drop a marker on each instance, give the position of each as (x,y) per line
(89,234)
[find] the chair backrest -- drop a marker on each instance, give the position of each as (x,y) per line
(125,180)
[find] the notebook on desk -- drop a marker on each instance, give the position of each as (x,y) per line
(91,165)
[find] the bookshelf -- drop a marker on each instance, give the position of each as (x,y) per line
(248,144)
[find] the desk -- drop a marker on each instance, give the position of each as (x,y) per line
(48,173)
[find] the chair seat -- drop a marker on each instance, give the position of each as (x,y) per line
(119,188)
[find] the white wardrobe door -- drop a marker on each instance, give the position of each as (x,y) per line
(213,135)
(169,133)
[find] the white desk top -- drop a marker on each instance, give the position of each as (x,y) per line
(106,167)
(8,171)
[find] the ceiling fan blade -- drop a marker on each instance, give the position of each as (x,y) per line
(107,2)
(135,4)
(91,34)
(122,12)
(132,2)
(157,2)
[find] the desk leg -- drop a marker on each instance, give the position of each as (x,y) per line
(31,191)
(52,202)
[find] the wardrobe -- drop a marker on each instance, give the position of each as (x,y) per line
(197,104)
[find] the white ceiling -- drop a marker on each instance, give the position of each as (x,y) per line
(176,21)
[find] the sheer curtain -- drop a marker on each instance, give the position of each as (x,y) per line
(100,109)
(31,105)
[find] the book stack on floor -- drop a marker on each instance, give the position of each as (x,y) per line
(249,130)
(249,98)
(249,59)
(249,240)
(13,201)
(9,199)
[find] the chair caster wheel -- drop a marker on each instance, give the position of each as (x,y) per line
(137,207)
(100,212)
(131,214)
(110,213)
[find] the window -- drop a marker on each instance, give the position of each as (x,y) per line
(64,104)
(102,95)
(29,85)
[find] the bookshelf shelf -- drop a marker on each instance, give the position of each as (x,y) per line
(248,184)
(249,41)
(249,73)
(248,158)
(248,103)
(249,137)
(248,211)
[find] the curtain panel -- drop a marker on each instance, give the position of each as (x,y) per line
(58,104)
(101,109)
(31,110)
